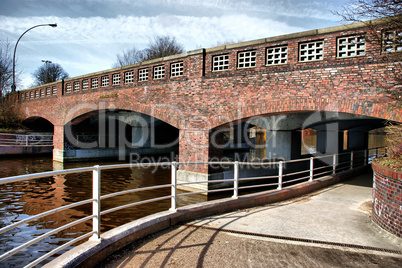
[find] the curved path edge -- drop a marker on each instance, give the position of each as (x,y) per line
(91,253)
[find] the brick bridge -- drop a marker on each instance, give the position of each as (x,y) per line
(335,69)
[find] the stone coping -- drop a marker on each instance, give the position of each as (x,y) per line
(91,253)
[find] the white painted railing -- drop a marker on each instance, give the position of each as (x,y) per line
(26,139)
(318,166)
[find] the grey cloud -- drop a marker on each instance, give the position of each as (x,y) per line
(200,8)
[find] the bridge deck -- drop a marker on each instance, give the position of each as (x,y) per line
(285,233)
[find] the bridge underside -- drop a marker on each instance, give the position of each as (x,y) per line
(217,104)
(121,135)
(133,136)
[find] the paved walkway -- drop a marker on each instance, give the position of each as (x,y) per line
(329,228)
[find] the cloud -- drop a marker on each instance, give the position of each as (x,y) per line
(112,8)
(138,30)
(84,43)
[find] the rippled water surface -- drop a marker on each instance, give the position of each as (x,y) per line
(20,200)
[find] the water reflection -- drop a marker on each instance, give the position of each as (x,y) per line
(20,200)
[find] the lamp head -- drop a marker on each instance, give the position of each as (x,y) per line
(53,25)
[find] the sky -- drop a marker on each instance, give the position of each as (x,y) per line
(90,33)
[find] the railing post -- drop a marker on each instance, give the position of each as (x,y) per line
(351,160)
(236,180)
(311,168)
(366,153)
(26,140)
(174,187)
(334,164)
(96,181)
(280,175)
(376,152)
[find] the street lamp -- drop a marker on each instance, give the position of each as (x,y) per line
(15,50)
(47,70)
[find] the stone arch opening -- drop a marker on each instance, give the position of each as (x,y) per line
(283,135)
(291,105)
(118,133)
(276,137)
(38,124)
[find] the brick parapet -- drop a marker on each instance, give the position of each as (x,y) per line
(198,63)
(201,99)
(205,103)
(387,199)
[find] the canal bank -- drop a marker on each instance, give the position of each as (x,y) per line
(327,228)
(25,144)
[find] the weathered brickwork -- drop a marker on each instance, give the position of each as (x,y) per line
(195,143)
(387,199)
(202,99)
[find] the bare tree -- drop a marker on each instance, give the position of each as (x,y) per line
(10,116)
(361,10)
(163,46)
(228,42)
(160,46)
(390,11)
(390,38)
(128,57)
(6,67)
(48,73)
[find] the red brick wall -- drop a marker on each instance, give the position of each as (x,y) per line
(387,199)
(193,147)
(201,99)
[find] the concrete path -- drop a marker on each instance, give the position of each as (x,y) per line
(329,228)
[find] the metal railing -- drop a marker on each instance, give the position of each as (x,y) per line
(37,139)
(286,175)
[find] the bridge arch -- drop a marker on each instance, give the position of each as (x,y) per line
(37,123)
(200,139)
(164,112)
(283,106)
(114,133)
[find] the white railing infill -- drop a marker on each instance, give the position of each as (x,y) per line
(37,139)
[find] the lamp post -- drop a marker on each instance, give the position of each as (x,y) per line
(15,50)
(47,70)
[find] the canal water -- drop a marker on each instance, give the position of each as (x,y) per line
(20,200)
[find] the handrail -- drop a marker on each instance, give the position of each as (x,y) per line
(43,174)
(135,204)
(54,251)
(281,180)
(39,238)
(135,190)
(38,139)
(35,217)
